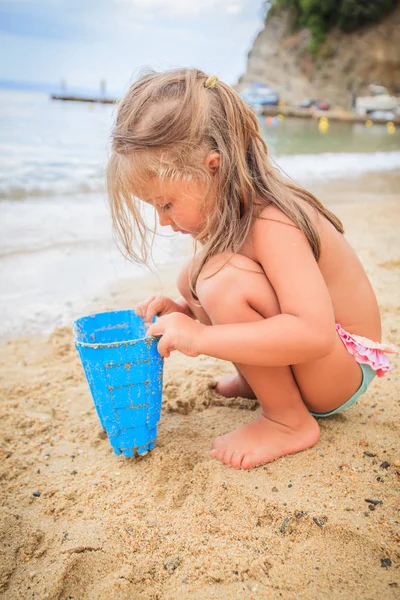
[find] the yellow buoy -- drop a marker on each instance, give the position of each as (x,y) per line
(391,127)
(368,123)
(323,124)
(281,116)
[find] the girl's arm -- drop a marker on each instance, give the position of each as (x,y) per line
(305,329)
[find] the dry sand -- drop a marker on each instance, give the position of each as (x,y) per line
(176,523)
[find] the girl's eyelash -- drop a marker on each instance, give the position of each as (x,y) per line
(165,207)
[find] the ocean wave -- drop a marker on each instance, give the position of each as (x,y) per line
(330,165)
(300,167)
(21,191)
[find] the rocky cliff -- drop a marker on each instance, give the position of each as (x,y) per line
(345,63)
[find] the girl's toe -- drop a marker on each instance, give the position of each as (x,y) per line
(228,456)
(220,455)
(249,461)
(236,460)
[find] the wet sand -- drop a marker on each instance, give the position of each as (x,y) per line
(78,522)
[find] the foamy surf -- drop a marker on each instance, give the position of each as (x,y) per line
(331,165)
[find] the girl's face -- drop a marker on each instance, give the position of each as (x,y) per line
(183,205)
(180,204)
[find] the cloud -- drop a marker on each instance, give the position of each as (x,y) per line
(84,41)
(185,8)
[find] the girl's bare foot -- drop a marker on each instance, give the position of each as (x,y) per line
(263,441)
(232,386)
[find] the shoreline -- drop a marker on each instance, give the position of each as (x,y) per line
(176,523)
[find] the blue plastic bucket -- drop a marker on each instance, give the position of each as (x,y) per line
(124,371)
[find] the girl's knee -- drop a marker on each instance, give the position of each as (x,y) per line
(228,283)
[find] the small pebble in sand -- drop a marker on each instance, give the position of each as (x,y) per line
(386,563)
(371,507)
(385,464)
(375,502)
(320,522)
(74,472)
(370,454)
(171,564)
(275,489)
(36,494)
(284,525)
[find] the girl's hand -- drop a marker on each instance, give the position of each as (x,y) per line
(156,306)
(179,332)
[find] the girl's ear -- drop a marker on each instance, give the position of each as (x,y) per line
(212,162)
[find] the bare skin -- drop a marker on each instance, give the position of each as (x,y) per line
(320,385)
(234,385)
(271,310)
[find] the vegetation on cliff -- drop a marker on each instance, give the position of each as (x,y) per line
(321,16)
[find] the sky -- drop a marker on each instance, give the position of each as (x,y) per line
(84,41)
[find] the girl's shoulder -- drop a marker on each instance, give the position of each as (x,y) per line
(274,234)
(273,213)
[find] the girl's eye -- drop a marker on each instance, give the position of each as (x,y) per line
(165,207)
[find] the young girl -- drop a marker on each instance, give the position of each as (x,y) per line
(274,286)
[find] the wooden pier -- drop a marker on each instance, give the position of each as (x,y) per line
(83,99)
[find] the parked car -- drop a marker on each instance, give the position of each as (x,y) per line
(379,100)
(260,94)
(314,103)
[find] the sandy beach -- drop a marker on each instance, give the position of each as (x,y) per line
(80,523)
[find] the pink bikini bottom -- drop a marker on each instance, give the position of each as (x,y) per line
(367,352)
(372,359)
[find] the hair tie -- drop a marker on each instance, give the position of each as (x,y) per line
(211,81)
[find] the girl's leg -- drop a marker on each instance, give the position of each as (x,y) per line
(242,293)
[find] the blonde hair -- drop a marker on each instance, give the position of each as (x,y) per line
(166,125)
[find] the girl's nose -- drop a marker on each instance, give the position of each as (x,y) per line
(164,219)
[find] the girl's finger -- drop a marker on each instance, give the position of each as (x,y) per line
(155,329)
(153,309)
(164,347)
(159,327)
(140,309)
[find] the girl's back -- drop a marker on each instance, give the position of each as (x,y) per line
(354,302)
